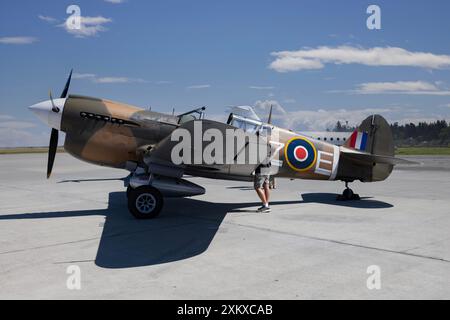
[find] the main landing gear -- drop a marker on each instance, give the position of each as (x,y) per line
(144,202)
(348,194)
(146,192)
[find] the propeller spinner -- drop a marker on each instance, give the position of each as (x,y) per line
(50,112)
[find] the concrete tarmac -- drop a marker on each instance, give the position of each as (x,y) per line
(216,245)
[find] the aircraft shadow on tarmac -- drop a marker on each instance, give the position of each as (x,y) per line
(330,198)
(91,180)
(185,229)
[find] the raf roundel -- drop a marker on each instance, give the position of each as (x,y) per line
(300,154)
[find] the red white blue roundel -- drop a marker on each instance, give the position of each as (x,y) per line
(300,154)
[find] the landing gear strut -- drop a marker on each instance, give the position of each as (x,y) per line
(348,194)
(144,200)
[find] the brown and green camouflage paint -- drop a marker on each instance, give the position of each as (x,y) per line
(110,133)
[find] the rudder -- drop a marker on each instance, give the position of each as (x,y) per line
(373,136)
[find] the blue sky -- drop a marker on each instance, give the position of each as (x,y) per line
(183,54)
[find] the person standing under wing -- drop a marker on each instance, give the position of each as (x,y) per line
(261,185)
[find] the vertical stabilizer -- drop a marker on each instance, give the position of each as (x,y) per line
(373,136)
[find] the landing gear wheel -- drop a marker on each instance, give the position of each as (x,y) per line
(348,194)
(145,202)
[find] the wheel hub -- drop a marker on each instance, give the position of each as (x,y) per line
(145,203)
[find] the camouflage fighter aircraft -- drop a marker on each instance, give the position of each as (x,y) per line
(117,135)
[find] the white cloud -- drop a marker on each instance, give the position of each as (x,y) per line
(263,107)
(401,87)
(261,88)
(18,40)
(310,119)
(106,80)
(409,86)
(112,80)
(83,76)
(15,133)
(317,58)
(16,125)
(5,117)
(90,26)
(47,19)
(10,138)
(118,80)
(321,119)
(115,1)
(199,86)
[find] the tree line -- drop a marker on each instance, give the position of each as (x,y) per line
(432,134)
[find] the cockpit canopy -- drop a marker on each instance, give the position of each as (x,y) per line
(196,114)
(245,118)
(245,124)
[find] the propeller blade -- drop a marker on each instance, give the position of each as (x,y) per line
(52,151)
(269,121)
(66,88)
(53,147)
(54,108)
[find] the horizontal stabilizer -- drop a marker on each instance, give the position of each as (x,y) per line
(372,158)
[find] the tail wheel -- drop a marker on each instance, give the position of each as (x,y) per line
(348,194)
(145,202)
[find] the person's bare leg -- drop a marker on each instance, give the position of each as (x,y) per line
(272,183)
(266,193)
(261,195)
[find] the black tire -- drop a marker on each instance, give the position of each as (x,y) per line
(348,194)
(145,202)
(129,190)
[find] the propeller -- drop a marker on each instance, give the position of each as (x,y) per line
(54,108)
(269,121)
(53,146)
(52,151)
(66,87)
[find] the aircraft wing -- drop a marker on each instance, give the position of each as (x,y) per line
(159,159)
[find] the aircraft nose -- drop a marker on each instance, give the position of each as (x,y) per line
(44,111)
